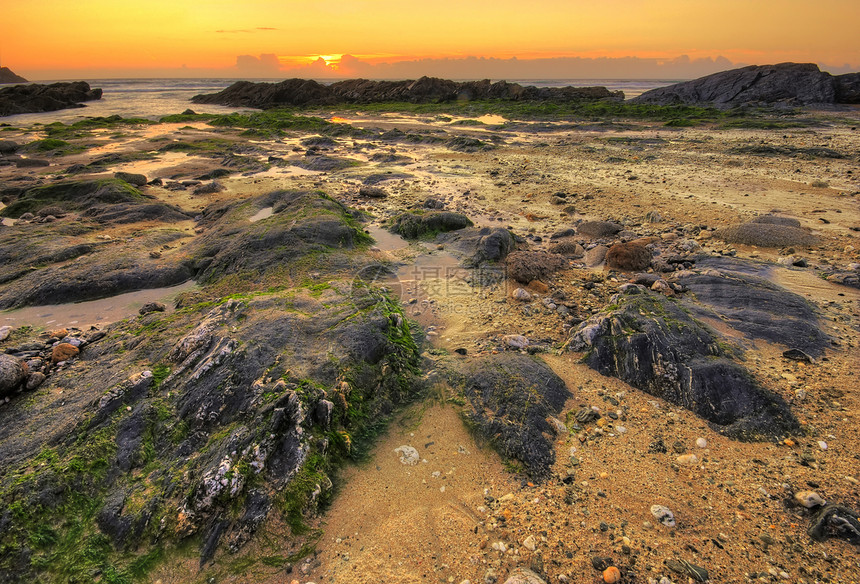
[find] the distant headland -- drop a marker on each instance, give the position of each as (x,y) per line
(9,76)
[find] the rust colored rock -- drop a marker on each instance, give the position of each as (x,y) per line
(628,257)
(63,352)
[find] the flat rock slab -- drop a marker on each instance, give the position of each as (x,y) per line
(739,296)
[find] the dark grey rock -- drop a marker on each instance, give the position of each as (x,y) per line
(423,90)
(835,521)
(791,83)
(35,98)
(654,345)
(372,192)
(757,308)
(413,225)
(137,180)
(152,307)
(511,395)
(8,147)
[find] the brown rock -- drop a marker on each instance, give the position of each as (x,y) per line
(12,374)
(539,287)
(628,257)
(63,352)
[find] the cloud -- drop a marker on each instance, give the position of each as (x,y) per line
(349,66)
(266,65)
(244,30)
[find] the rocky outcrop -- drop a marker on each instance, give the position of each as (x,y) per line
(511,396)
(8,76)
(651,343)
(28,99)
(296,92)
(784,83)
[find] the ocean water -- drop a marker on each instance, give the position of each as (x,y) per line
(153,98)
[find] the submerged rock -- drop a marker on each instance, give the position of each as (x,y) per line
(651,343)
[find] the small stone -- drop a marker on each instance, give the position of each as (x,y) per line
(688,459)
(5,331)
(809,499)
(34,380)
(611,575)
(797,355)
(530,543)
(701,443)
(408,455)
(822,445)
(521,294)
(152,307)
(663,514)
(695,572)
(516,341)
(524,576)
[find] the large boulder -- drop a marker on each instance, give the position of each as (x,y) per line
(651,343)
(511,395)
(790,83)
(34,98)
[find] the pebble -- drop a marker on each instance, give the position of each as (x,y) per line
(408,455)
(809,499)
(688,459)
(530,543)
(663,514)
(516,341)
(5,331)
(611,575)
(701,443)
(822,444)
(521,294)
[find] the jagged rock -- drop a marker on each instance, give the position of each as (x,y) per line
(835,521)
(35,98)
(790,83)
(511,397)
(423,90)
(652,344)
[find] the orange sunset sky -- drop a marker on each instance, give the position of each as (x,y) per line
(56,39)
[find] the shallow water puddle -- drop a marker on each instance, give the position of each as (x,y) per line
(92,312)
(263,213)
